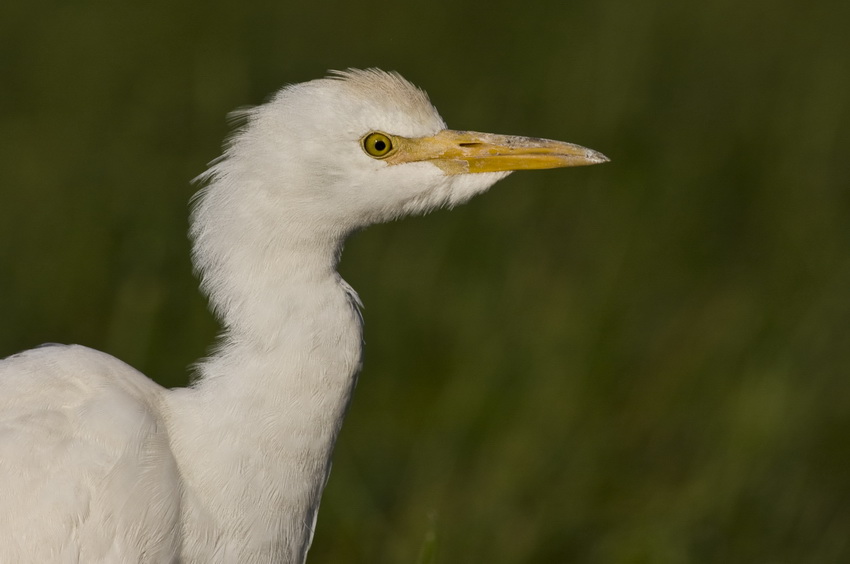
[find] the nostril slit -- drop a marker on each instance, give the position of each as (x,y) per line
(471,144)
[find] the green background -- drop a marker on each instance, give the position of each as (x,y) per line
(645,361)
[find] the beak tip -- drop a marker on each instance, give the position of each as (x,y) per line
(595,157)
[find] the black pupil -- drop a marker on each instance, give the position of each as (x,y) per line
(380,145)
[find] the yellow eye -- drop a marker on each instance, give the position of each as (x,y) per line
(377,145)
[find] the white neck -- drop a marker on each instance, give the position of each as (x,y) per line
(265,413)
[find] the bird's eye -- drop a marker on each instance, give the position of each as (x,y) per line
(377,145)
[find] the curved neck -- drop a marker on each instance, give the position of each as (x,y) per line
(268,404)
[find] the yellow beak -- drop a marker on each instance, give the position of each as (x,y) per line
(461,152)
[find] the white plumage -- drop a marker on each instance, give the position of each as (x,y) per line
(100,464)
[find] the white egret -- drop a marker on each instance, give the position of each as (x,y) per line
(100,464)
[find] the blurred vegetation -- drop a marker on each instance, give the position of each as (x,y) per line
(641,362)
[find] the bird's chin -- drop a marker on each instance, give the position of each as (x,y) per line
(467,186)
